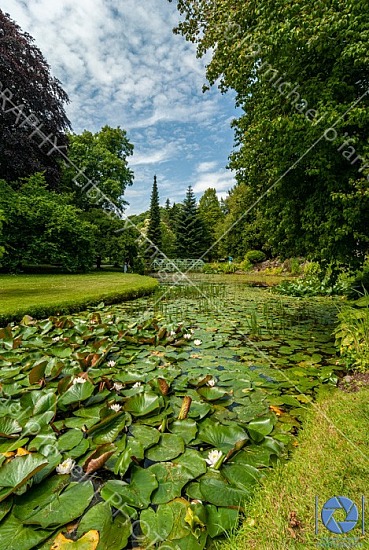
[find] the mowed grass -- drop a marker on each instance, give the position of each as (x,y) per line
(43,295)
(332,459)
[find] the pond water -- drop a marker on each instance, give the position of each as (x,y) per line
(173,407)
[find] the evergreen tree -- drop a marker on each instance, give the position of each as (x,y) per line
(165,212)
(190,233)
(154,229)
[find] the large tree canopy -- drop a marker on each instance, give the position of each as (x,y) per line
(100,159)
(301,73)
(27,88)
(41,227)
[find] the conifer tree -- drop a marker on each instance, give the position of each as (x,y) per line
(154,229)
(190,233)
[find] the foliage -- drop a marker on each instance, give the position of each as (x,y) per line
(242,227)
(2,249)
(352,335)
(289,77)
(191,240)
(111,240)
(43,295)
(212,216)
(313,286)
(255,256)
(154,228)
(26,74)
(222,267)
(140,409)
(102,159)
(41,226)
(168,240)
(360,282)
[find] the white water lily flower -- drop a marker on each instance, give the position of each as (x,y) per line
(56,338)
(213,457)
(172,333)
(137,385)
(191,330)
(187,336)
(65,467)
(79,380)
(111,363)
(211,383)
(117,386)
(116,408)
(197,342)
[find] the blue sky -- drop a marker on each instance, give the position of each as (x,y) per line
(121,65)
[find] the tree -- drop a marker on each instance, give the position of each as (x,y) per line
(154,228)
(102,159)
(112,241)
(301,73)
(28,88)
(237,231)
(190,233)
(211,215)
(40,226)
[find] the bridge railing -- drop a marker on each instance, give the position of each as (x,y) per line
(177,264)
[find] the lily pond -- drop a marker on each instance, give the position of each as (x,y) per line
(149,424)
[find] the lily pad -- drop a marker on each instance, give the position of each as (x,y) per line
(137,493)
(143,404)
(221,437)
(169,447)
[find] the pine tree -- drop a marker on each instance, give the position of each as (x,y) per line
(190,233)
(154,229)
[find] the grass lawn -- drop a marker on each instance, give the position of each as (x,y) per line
(332,459)
(42,295)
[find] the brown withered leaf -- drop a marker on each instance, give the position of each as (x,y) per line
(97,460)
(164,386)
(186,404)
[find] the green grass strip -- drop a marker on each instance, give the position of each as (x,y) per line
(44,295)
(325,464)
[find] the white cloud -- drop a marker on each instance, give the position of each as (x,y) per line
(121,65)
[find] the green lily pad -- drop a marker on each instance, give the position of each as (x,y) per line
(212,394)
(143,404)
(18,471)
(186,428)
(9,427)
(242,476)
(156,526)
(63,508)
(221,437)
(171,478)
(137,493)
(260,428)
(75,394)
(113,534)
(221,521)
(21,536)
(220,493)
(169,447)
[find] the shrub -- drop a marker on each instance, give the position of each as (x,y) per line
(293,266)
(255,256)
(352,336)
(312,286)
(245,265)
